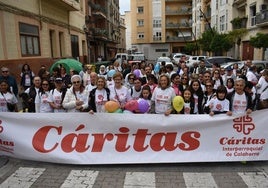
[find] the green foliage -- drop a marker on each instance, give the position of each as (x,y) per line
(191,47)
(236,35)
(212,41)
(259,41)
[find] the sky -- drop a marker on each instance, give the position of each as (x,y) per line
(124,6)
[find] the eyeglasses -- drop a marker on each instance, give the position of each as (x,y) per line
(77,82)
(184,78)
(216,73)
(44,84)
(208,85)
(131,78)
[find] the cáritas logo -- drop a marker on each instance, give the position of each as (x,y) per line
(244,125)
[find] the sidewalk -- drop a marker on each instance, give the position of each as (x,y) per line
(3,161)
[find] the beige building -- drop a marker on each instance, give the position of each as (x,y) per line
(38,32)
(249,14)
(160,26)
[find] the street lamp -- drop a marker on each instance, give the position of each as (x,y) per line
(85,29)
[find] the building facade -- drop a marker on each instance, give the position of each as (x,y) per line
(39,32)
(166,26)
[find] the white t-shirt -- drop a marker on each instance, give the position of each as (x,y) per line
(135,94)
(43,101)
(56,98)
(218,105)
(263,84)
(120,95)
(187,108)
(239,105)
(100,100)
(163,99)
(251,77)
(7,97)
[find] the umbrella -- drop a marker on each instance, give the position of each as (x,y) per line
(67,64)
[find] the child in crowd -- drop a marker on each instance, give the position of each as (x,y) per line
(188,107)
(146,95)
(219,104)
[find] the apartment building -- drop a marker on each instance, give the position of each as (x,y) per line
(166,26)
(103,28)
(160,26)
(249,14)
(38,32)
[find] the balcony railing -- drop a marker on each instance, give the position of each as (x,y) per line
(262,18)
(178,39)
(179,12)
(176,25)
(100,32)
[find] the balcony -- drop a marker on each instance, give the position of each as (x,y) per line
(70,5)
(240,3)
(262,18)
(177,25)
(187,11)
(178,39)
(98,10)
(239,23)
(100,33)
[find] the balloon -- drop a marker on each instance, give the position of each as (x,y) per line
(178,103)
(132,105)
(111,106)
(111,73)
(119,111)
(137,73)
(143,106)
(127,112)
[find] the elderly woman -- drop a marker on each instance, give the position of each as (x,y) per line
(98,97)
(6,96)
(76,98)
(162,96)
(119,93)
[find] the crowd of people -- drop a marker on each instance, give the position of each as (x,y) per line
(204,91)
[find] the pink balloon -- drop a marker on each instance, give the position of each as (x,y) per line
(143,106)
(132,105)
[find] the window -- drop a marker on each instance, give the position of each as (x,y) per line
(157,36)
(252,15)
(222,23)
(75,46)
(140,10)
(140,35)
(157,23)
(140,22)
(29,40)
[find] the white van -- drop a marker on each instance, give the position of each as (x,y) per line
(122,56)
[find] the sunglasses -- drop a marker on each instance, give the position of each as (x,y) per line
(4,71)
(77,82)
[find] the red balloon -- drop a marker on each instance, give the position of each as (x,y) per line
(132,105)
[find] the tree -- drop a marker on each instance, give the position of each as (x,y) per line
(190,48)
(206,39)
(260,41)
(235,37)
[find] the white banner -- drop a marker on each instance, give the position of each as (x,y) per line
(81,138)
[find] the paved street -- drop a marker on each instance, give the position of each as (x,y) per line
(21,173)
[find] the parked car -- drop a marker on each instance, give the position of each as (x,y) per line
(220,59)
(194,59)
(166,59)
(231,64)
(136,58)
(123,56)
(260,64)
(176,57)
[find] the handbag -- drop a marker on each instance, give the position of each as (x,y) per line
(263,104)
(10,106)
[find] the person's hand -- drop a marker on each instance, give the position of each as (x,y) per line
(168,112)
(229,113)
(211,113)
(78,103)
(91,112)
(249,111)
